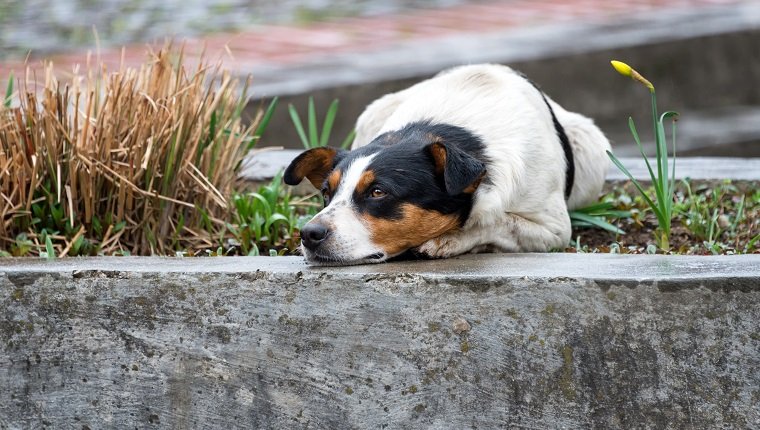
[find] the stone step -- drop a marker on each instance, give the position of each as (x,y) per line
(262,166)
(487,341)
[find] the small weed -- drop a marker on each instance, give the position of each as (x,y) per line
(719,217)
(266,221)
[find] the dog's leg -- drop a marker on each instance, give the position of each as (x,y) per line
(514,233)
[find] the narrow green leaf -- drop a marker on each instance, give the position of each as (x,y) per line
(632,127)
(312,118)
(595,207)
(265,120)
(49,248)
(328,123)
(298,125)
(636,183)
(9,91)
(595,221)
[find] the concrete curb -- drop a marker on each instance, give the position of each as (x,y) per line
(264,165)
(539,340)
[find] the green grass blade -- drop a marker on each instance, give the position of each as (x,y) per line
(739,214)
(298,125)
(328,123)
(673,173)
(261,128)
(595,207)
(49,248)
(313,131)
(636,183)
(595,221)
(632,127)
(9,92)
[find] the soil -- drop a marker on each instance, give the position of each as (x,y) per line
(715,202)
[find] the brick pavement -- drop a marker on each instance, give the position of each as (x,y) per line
(279,45)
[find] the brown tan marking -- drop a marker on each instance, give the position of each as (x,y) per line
(366,179)
(333,180)
(438,151)
(474,186)
(315,165)
(415,227)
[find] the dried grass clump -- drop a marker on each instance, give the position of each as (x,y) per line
(134,161)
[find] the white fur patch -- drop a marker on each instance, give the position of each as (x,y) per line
(349,240)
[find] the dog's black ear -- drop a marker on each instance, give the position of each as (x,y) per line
(461,172)
(314,164)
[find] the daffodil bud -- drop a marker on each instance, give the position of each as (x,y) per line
(627,70)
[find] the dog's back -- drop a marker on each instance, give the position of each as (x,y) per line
(512,117)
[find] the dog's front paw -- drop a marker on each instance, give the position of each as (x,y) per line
(440,247)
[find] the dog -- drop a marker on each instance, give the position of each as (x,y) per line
(475,159)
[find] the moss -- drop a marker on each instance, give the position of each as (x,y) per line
(420,408)
(754,336)
(548,310)
(18,294)
(412,389)
(611,295)
(223,333)
(566,378)
(533,338)
(349,390)
(464,346)
(434,327)
(512,313)
(290,296)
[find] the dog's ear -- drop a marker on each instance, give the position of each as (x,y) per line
(314,164)
(461,172)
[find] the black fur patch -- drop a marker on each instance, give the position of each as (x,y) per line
(405,170)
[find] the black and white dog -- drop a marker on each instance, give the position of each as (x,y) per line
(474,159)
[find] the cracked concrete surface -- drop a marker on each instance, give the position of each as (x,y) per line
(554,341)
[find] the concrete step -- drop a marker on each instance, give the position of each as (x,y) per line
(540,341)
(262,166)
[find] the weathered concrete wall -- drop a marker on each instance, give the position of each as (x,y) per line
(554,341)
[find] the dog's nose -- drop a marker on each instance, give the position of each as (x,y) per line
(313,234)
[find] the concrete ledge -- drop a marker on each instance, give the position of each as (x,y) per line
(262,166)
(539,341)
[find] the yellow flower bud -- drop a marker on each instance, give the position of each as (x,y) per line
(627,70)
(622,68)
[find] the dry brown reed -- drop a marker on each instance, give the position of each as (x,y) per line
(138,161)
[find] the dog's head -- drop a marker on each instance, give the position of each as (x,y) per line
(402,189)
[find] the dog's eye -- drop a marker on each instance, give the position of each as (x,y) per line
(326,196)
(376,193)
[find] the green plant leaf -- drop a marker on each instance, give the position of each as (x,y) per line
(261,128)
(49,248)
(327,125)
(312,118)
(632,127)
(595,221)
(9,91)
(635,183)
(298,125)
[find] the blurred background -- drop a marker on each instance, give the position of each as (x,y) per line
(702,55)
